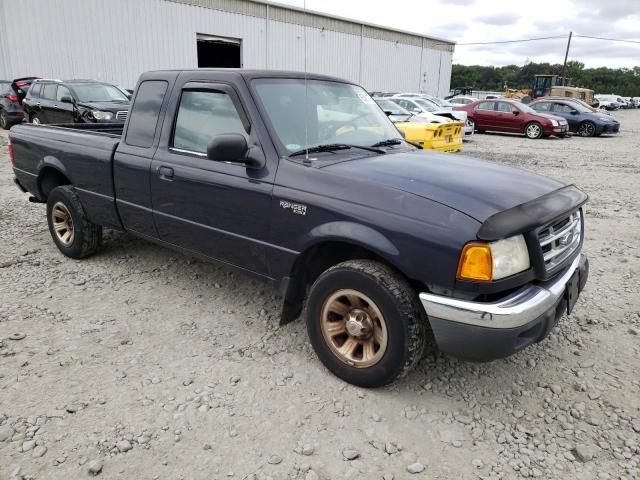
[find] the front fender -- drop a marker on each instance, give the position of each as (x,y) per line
(351,232)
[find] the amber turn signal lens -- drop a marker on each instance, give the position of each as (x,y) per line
(476,263)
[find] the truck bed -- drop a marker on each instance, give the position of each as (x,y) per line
(83,153)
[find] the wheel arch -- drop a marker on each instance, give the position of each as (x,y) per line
(332,244)
(51,174)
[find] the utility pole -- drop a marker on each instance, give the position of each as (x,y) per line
(566,54)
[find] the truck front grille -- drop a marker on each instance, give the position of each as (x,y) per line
(122,115)
(560,240)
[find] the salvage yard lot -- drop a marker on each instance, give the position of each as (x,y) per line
(151,364)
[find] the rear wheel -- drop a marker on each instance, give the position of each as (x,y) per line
(365,323)
(72,232)
(4,121)
(587,129)
(533,130)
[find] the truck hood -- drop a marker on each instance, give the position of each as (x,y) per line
(475,187)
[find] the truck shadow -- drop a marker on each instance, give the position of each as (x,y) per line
(436,373)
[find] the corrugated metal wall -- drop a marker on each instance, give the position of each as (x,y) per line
(116,40)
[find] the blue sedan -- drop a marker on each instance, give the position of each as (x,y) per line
(582,120)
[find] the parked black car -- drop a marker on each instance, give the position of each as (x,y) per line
(582,120)
(12,93)
(75,101)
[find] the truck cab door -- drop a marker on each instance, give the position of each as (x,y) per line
(220,210)
(132,158)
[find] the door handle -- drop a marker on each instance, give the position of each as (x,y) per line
(165,172)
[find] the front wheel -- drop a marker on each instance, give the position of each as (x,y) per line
(72,232)
(533,130)
(587,129)
(365,323)
(471,124)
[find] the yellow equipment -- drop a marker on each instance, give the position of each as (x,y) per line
(551,86)
(443,137)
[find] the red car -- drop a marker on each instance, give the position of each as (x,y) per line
(501,115)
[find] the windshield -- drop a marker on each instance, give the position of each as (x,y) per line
(525,108)
(440,102)
(581,108)
(393,107)
(98,92)
(322,113)
(426,104)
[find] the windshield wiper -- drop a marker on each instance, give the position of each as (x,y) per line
(332,147)
(387,143)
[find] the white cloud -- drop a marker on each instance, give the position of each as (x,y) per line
(466,21)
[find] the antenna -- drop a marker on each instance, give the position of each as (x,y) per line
(306,92)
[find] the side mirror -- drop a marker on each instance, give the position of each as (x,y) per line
(66,99)
(515,111)
(574,112)
(233,148)
(416,110)
(388,113)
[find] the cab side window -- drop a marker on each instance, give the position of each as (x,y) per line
(49,91)
(202,115)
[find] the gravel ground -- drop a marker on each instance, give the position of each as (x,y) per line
(142,363)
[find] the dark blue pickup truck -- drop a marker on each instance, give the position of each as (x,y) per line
(273,174)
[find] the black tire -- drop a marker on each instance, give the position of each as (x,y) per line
(404,319)
(533,130)
(4,121)
(86,236)
(587,129)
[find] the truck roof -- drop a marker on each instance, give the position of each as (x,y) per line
(248,73)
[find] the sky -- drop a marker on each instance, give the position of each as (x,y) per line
(467,21)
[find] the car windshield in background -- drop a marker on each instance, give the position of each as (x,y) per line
(427,105)
(581,108)
(440,102)
(393,107)
(98,92)
(526,108)
(316,112)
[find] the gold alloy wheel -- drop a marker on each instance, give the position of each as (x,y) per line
(62,224)
(354,328)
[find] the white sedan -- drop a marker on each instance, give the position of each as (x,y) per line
(426,106)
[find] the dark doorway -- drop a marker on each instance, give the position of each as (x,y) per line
(216,52)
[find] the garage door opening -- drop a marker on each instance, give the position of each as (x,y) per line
(218,52)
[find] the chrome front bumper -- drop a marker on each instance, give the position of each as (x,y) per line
(517,309)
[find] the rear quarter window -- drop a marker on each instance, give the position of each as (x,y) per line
(143,119)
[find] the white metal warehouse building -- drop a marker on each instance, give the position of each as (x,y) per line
(116,40)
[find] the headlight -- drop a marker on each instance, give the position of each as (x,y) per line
(98,115)
(554,122)
(485,262)
(604,119)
